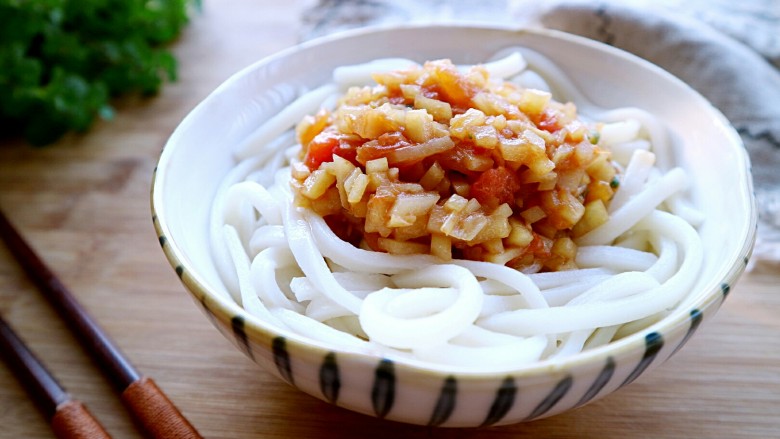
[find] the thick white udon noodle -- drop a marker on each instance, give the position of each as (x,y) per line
(285,266)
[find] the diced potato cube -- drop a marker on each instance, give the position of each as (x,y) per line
(441,246)
(533,214)
(414,153)
(461,186)
(409,206)
(377,212)
(575,131)
(449,224)
(520,235)
(317,183)
(534,101)
(565,248)
(299,171)
(339,167)
(468,227)
(390,79)
(377,165)
(396,247)
(472,206)
(440,129)
(455,203)
(518,126)
(372,123)
(327,204)
(432,177)
(411,188)
(419,127)
(396,221)
(492,104)
(499,122)
(459,124)
(562,153)
(410,91)
(600,168)
(493,246)
(584,152)
(440,110)
(415,230)
(503,210)
(357,188)
(599,190)
(485,136)
(360,209)
(496,228)
(595,215)
(436,219)
(563,209)
(546,229)
(504,257)
(548,181)
(310,126)
(529,149)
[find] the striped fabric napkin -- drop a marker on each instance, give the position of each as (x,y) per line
(728,51)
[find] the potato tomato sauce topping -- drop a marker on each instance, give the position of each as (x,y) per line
(437,161)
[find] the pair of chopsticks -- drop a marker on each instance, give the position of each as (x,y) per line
(154,414)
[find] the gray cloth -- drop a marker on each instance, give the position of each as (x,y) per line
(728,51)
(734,66)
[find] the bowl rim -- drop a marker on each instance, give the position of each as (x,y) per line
(226,310)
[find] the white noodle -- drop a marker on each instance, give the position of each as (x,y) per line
(619,132)
(311,262)
(601,336)
(633,179)
(507,66)
(286,267)
(447,319)
(284,120)
(635,209)
(249,300)
(597,314)
(316,330)
(267,236)
(263,272)
(614,258)
(562,294)
(559,278)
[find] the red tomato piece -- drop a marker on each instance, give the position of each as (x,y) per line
(495,187)
(548,121)
(380,147)
(327,143)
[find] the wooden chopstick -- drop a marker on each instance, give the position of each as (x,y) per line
(155,415)
(68,417)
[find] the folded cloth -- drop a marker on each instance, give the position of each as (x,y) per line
(728,51)
(735,66)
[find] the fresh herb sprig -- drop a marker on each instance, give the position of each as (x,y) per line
(62,61)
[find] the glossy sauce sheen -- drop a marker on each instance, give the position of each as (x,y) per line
(435,160)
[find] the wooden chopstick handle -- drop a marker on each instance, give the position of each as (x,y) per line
(155,414)
(96,342)
(72,420)
(68,417)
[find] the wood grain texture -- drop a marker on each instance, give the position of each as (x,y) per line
(84,205)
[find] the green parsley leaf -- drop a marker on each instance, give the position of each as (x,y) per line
(62,61)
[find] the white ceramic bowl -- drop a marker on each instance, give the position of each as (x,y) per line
(197,157)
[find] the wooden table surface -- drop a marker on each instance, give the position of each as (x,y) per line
(83,203)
